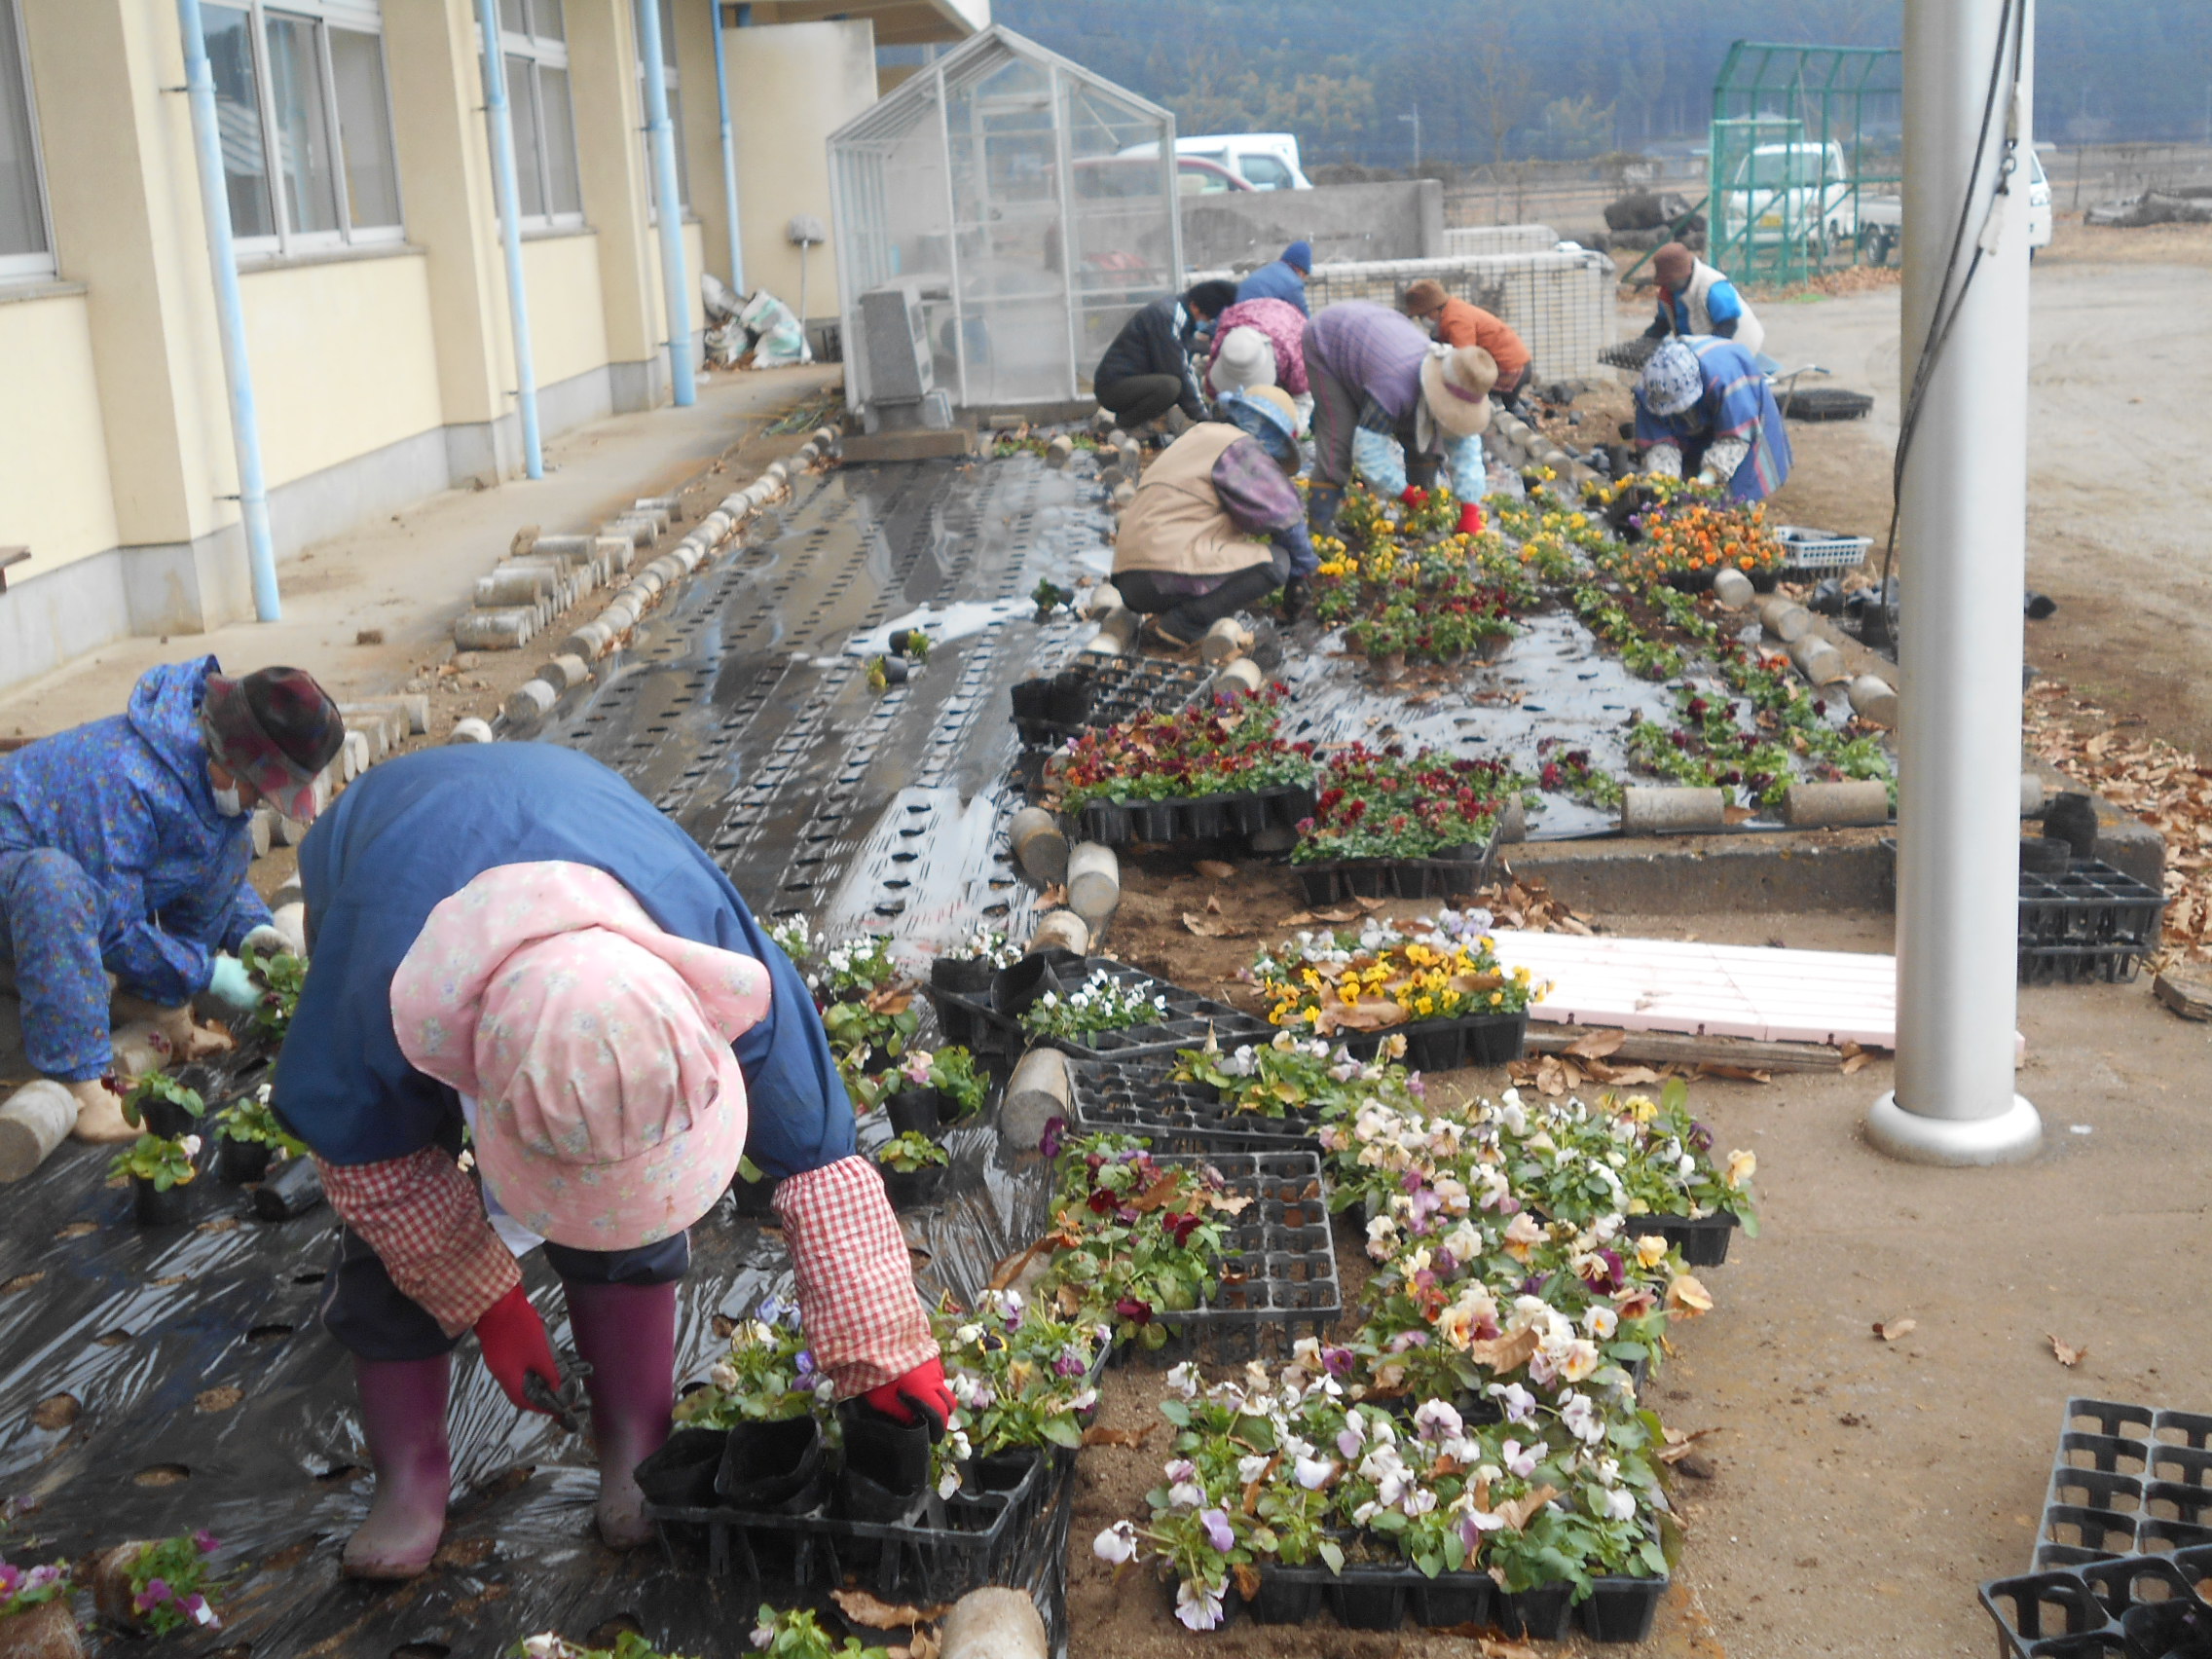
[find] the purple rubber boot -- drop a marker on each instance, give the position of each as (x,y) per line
(403,1419)
(627,1334)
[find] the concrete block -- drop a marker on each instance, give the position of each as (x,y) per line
(470,730)
(504,630)
(616,551)
(531,702)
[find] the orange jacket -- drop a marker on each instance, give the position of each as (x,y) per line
(1462,324)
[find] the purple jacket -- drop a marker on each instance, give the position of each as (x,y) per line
(1376,353)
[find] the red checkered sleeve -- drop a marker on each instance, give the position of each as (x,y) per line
(865,1320)
(425,1220)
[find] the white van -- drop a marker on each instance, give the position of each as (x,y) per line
(1265,160)
(1784,190)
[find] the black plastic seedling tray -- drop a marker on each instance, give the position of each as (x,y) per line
(1098,692)
(1241,813)
(2136,1606)
(1445,877)
(2128,1479)
(1141,1097)
(961,1543)
(975,1020)
(2092,923)
(1278,1262)
(1370,1597)
(1449,1045)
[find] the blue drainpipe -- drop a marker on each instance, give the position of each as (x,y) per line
(730,157)
(674,278)
(496,117)
(229,313)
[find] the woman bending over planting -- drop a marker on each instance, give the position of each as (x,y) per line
(510,940)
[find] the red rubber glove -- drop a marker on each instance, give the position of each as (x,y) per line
(1470,519)
(1413,495)
(922,1389)
(515,1344)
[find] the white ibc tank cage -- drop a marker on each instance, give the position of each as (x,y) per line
(975,181)
(1560,304)
(1474,241)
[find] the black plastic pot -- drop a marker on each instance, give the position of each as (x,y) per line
(1206,819)
(886,1476)
(949,1115)
(682,1473)
(1290,1595)
(775,1467)
(2045,856)
(912,1111)
(1031,699)
(894,670)
(1156,820)
(1068,698)
(1540,1615)
(2073,820)
(165,1118)
(754,1199)
(1454,1599)
(1370,1598)
(900,641)
(1015,989)
(151,1206)
(966,975)
(241,1162)
(295,1188)
(1621,1609)
(1004,1471)
(1703,1243)
(910,1189)
(1105,822)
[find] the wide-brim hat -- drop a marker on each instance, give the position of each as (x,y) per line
(1671,379)
(276,730)
(1455,384)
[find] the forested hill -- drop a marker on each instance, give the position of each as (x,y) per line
(1563,78)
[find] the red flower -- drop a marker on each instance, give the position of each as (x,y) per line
(1131,1309)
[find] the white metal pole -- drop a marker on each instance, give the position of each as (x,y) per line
(1962,539)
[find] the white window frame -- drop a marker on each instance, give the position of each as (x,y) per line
(543,52)
(358,16)
(17,268)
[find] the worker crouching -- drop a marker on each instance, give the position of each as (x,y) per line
(1704,408)
(509,938)
(1217,525)
(124,849)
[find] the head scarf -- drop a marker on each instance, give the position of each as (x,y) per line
(1672,378)
(611,1111)
(1264,413)
(276,730)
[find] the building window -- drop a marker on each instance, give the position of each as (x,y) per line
(675,101)
(304,123)
(26,248)
(533,39)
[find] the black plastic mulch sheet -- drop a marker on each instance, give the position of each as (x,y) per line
(201,1389)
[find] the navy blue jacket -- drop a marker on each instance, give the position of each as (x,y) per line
(1277,280)
(418,829)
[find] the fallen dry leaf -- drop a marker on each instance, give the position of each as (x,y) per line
(1006,1272)
(1635,1074)
(1370,906)
(1516,1513)
(1212,927)
(22,1281)
(866,1609)
(1307,918)
(1097,1437)
(1596,1045)
(56,1411)
(1896,1328)
(220,1399)
(1504,1354)
(1741,1073)
(1680,1444)
(1215,868)
(2066,1353)
(1497,1648)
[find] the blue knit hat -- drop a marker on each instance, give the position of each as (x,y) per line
(1298,256)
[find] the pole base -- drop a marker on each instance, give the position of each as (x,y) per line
(2012,1136)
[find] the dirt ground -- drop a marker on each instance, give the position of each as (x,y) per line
(1861,1488)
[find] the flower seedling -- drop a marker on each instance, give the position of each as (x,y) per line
(159,1160)
(798,1634)
(253,1120)
(284,975)
(160,1085)
(910,1152)
(629,1645)
(169,1583)
(767,1375)
(1101,1002)
(953,1074)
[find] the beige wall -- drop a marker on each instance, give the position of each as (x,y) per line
(56,495)
(567,319)
(792,86)
(343,359)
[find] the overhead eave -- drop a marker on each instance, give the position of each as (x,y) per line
(897,22)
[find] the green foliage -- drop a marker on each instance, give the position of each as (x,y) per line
(250,1117)
(160,1085)
(910,1152)
(158,1159)
(284,975)
(798,1634)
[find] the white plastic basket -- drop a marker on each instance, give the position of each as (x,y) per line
(1822,549)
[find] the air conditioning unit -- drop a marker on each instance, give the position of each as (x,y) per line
(901,376)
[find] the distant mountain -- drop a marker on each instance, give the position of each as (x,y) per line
(1566,78)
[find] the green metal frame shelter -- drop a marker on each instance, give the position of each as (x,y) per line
(1804,139)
